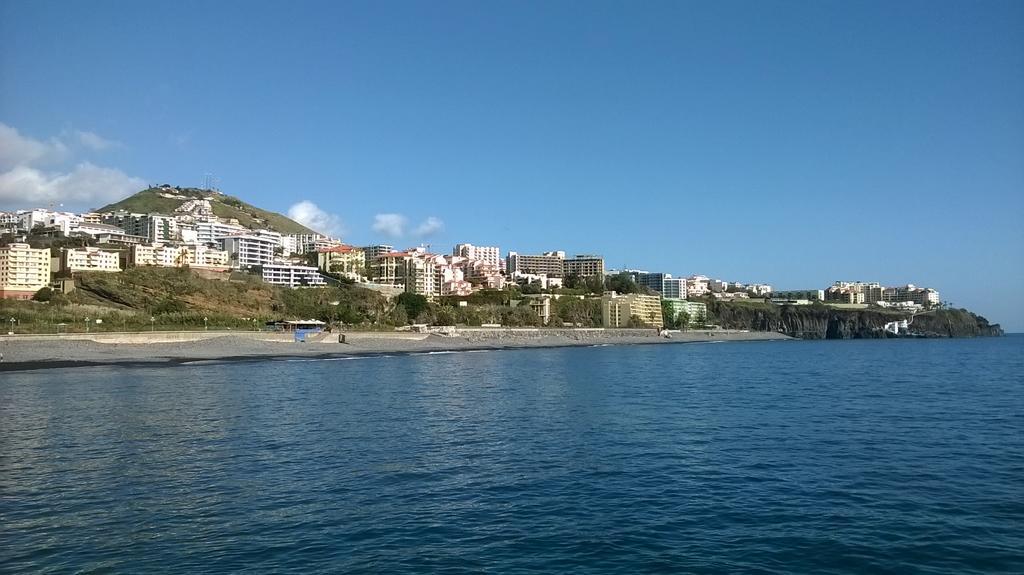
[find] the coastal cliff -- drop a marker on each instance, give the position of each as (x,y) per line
(824,322)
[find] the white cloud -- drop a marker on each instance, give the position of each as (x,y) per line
(95,142)
(36,173)
(310,215)
(391,225)
(17,150)
(86,185)
(428,227)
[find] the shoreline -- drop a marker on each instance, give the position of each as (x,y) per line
(34,353)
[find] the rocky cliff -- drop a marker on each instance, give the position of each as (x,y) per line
(823,322)
(953,323)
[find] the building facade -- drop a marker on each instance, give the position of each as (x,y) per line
(292,276)
(487,254)
(617,310)
(697,311)
(662,283)
(75,260)
(583,266)
(347,261)
(548,264)
(211,231)
(23,271)
(250,250)
(193,255)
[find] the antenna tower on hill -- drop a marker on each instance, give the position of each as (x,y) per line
(210,182)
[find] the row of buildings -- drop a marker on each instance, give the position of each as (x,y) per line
(195,237)
(873,293)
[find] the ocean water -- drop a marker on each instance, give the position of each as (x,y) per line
(774,457)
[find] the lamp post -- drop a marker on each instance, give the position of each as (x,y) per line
(152,323)
(12,325)
(206,324)
(87,324)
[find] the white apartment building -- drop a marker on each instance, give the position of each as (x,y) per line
(23,271)
(8,222)
(28,219)
(292,276)
(488,254)
(697,286)
(97,229)
(307,243)
(87,260)
(249,250)
(194,255)
(211,231)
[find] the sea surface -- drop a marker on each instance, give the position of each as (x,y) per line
(764,457)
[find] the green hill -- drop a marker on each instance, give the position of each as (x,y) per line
(178,298)
(158,200)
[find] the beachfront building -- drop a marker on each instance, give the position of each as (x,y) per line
(618,309)
(346,261)
(23,271)
(73,260)
(697,311)
(540,304)
(583,266)
(293,276)
(250,250)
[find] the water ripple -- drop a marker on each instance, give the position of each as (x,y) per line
(823,457)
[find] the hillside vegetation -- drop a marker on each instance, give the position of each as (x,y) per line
(150,200)
(178,298)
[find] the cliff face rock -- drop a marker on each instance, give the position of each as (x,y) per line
(823,322)
(953,323)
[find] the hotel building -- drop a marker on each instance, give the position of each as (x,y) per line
(23,271)
(616,309)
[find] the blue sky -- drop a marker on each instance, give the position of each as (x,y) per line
(794,143)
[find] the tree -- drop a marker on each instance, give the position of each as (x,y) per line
(533,287)
(521,315)
(622,283)
(444,315)
(44,294)
(593,284)
(683,320)
(399,316)
(414,304)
